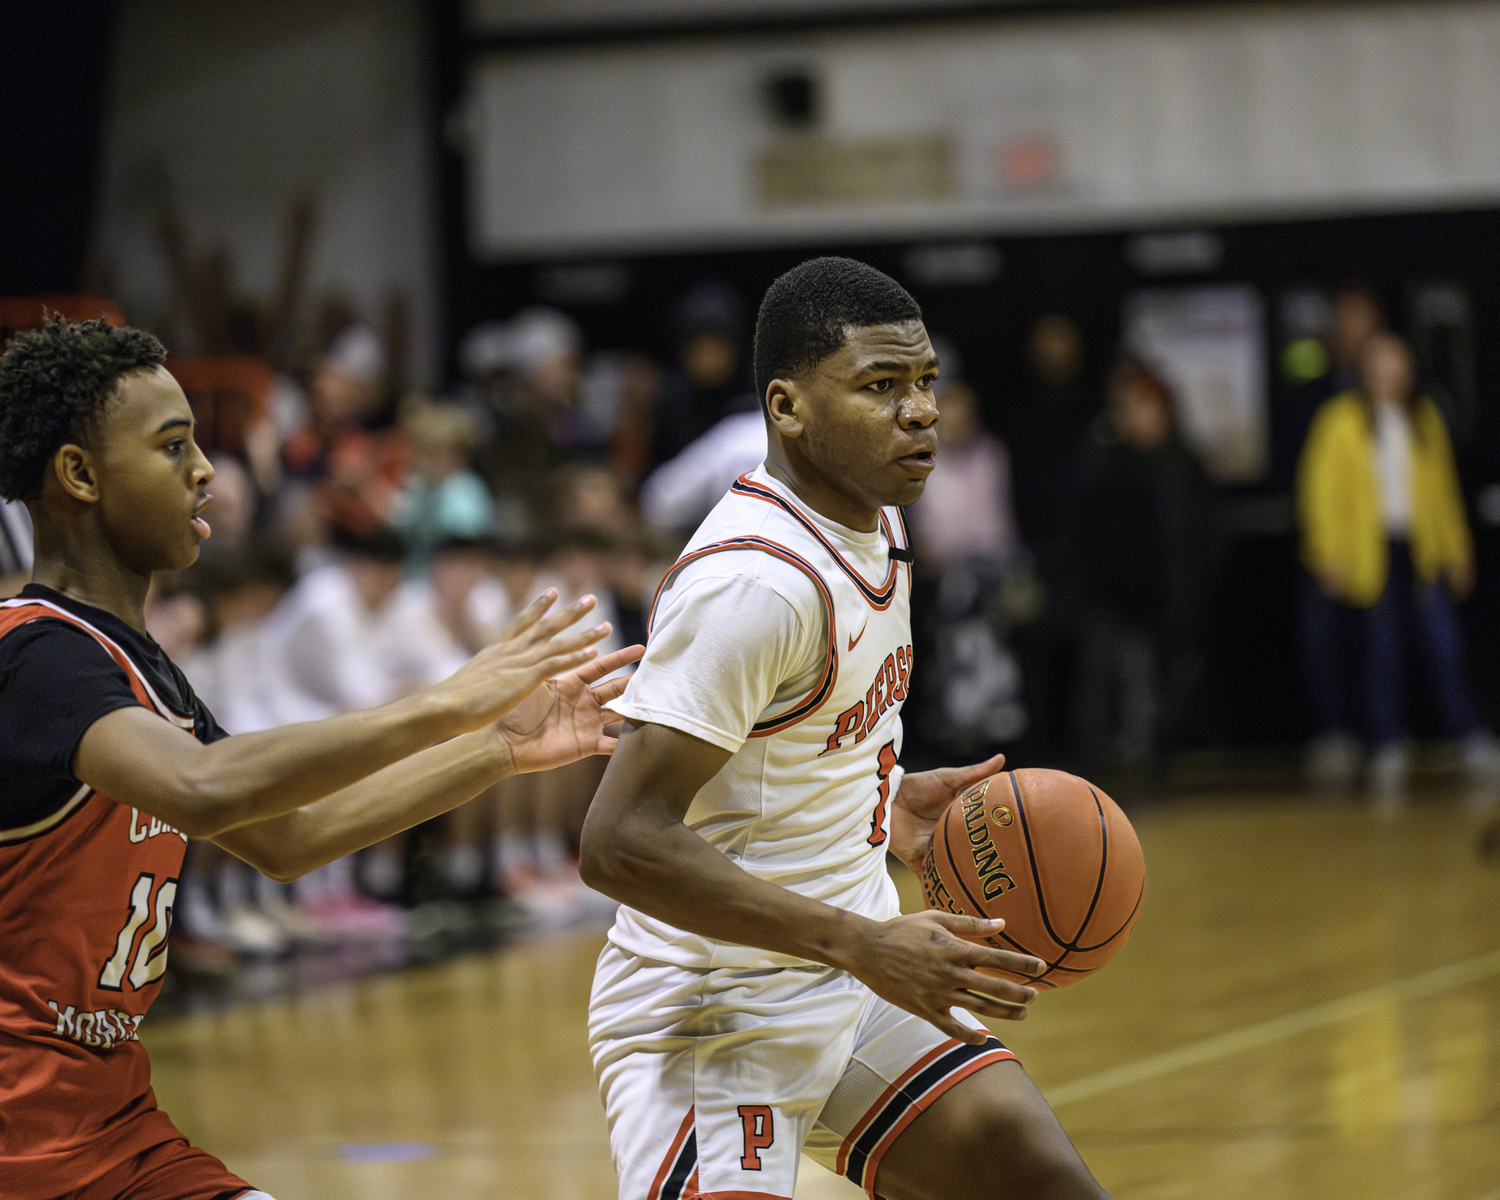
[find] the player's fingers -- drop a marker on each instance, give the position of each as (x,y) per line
(610,689)
(971,929)
(967,775)
(558,620)
(1009,960)
(610,663)
(988,1006)
(555,622)
(567,643)
(993,987)
(991,959)
(560,664)
(954,1029)
(605,745)
(529,615)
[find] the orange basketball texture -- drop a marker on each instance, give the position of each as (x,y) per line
(1051,854)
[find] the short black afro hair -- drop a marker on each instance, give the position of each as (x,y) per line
(53,382)
(808,313)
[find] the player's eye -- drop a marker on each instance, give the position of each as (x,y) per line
(927,382)
(879,385)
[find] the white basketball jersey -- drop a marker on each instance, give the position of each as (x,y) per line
(804,800)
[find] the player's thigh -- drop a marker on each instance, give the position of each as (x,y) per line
(173,1170)
(990,1137)
(710,1080)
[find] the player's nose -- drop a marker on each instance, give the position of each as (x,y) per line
(919,410)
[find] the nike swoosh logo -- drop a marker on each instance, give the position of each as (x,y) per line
(854,641)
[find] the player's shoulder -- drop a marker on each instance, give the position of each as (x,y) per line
(30,629)
(741,572)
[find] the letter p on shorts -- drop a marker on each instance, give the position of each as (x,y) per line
(759,1133)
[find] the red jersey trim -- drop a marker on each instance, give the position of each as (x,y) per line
(879,598)
(13,615)
(820,692)
(109,644)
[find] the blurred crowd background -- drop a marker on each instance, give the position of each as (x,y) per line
(463,296)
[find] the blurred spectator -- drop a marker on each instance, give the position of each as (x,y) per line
(709,373)
(238,670)
(1049,426)
(1326,630)
(1141,536)
(233,397)
(1047,429)
(235,509)
(353,471)
(15,547)
(442,498)
(348,637)
(965,536)
(607,551)
(681,492)
(467,594)
(1383,532)
(524,378)
(616,394)
(965,511)
(234,672)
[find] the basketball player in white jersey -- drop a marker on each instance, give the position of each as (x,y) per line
(761,993)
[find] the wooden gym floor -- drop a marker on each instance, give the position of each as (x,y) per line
(1309,1010)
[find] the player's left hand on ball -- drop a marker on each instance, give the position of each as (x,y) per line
(565,718)
(923,798)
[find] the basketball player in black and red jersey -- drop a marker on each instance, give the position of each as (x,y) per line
(109,763)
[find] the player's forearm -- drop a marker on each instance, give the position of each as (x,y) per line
(131,756)
(667,871)
(408,792)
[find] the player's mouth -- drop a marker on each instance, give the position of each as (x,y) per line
(200,526)
(922,460)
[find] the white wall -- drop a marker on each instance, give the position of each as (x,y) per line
(242,104)
(1173,115)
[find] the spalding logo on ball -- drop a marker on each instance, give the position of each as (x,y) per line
(1052,855)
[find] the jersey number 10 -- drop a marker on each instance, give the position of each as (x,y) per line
(150,959)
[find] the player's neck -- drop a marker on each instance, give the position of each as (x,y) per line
(76,561)
(814,491)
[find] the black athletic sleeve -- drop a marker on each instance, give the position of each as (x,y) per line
(55,681)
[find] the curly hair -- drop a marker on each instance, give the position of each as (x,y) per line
(808,312)
(53,382)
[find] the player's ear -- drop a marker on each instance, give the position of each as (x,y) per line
(784,406)
(74,469)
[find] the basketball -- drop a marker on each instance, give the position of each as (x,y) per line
(1050,854)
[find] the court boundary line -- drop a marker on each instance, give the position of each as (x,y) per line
(1251,1037)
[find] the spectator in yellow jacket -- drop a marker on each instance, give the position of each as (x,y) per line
(1383,532)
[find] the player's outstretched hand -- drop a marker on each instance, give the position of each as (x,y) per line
(564,719)
(922,799)
(929,962)
(536,646)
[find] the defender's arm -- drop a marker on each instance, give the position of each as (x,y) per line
(136,758)
(560,722)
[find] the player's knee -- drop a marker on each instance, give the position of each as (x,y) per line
(1008,1153)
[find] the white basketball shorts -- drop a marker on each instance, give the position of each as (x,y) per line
(714,1082)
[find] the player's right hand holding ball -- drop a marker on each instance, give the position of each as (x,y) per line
(931,962)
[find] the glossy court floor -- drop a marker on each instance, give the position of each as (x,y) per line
(1309,1010)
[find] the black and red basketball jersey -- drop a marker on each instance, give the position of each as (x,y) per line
(86,893)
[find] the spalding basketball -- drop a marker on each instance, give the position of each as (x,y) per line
(1051,854)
